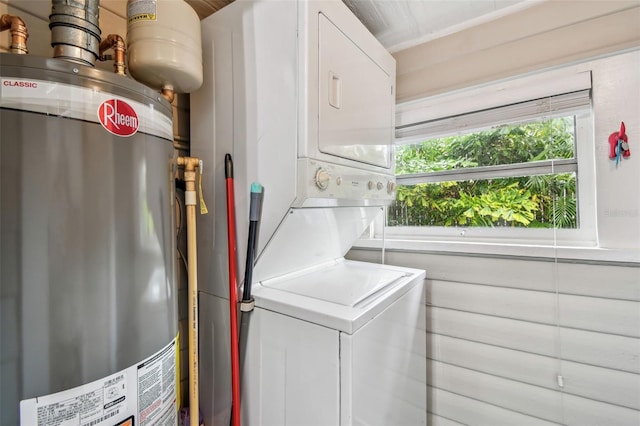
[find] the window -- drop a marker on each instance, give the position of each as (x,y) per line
(515,166)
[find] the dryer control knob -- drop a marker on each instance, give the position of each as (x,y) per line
(379,185)
(370,184)
(391,186)
(322,179)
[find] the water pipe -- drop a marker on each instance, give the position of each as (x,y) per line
(18,30)
(115,42)
(190,164)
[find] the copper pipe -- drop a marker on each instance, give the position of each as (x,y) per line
(168,93)
(19,33)
(115,42)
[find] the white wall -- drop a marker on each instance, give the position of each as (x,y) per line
(616,95)
(500,331)
(35,13)
(548,33)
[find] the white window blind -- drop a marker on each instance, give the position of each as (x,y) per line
(547,107)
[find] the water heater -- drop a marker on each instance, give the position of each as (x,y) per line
(89,300)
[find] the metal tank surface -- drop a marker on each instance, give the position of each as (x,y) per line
(88,293)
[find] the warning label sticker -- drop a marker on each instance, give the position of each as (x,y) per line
(87,405)
(146,392)
(157,389)
(142,10)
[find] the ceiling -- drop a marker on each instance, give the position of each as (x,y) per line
(398,24)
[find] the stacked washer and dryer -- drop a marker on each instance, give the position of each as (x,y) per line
(302,96)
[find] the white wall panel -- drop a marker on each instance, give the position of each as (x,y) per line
(493,333)
(602,384)
(605,350)
(508,333)
(606,281)
(587,412)
(516,396)
(38,8)
(514,273)
(517,365)
(616,89)
(535,306)
(530,400)
(604,315)
(435,420)
(599,349)
(111,23)
(475,412)
(118,7)
(599,280)
(613,316)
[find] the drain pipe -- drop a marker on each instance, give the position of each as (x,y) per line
(19,33)
(115,42)
(190,164)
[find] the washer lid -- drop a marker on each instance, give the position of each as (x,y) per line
(343,283)
(342,294)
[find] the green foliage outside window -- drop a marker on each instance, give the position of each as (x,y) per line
(538,201)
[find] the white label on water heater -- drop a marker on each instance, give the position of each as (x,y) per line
(142,10)
(143,394)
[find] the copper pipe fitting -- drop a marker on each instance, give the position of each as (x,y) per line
(19,33)
(168,93)
(115,42)
(189,164)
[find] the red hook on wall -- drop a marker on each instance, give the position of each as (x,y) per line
(619,144)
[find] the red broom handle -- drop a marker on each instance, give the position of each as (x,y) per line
(233,296)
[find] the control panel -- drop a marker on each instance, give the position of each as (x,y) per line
(346,185)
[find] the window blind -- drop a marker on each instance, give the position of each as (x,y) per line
(522,112)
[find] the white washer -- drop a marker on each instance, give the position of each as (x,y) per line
(342,343)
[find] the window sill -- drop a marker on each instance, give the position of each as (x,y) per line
(485,249)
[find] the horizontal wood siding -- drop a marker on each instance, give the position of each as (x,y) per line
(436,420)
(501,331)
(469,411)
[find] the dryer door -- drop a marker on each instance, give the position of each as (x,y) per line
(355,99)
